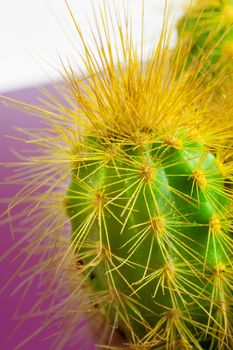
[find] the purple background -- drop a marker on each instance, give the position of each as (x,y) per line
(8,302)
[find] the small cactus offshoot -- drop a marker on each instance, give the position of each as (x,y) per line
(207,29)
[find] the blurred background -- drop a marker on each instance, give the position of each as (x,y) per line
(35,34)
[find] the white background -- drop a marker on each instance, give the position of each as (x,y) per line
(34,33)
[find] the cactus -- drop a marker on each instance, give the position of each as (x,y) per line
(207,28)
(150,204)
(148,155)
(150,228)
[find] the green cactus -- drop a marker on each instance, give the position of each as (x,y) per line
(150,201)
(207,28)
(150,231)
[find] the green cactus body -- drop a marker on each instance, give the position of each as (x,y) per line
(151,238)
(207,28)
